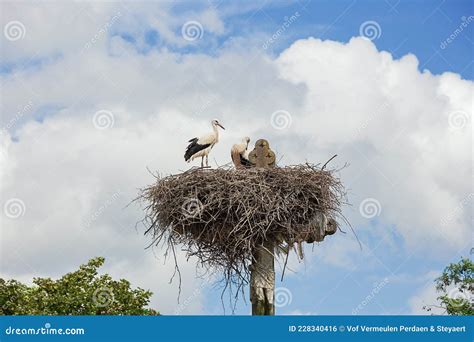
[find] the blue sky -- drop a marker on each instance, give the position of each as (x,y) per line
(417,27)
(155,89)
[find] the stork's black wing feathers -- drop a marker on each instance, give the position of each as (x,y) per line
(194,148)
(245,162)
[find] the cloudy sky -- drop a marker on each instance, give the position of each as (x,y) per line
(93,94)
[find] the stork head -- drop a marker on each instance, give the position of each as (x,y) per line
(216,123)
(246,140)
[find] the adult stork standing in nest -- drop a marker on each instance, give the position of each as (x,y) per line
(240,153)
(200,147)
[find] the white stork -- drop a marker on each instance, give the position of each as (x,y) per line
(200,147)
(240,154)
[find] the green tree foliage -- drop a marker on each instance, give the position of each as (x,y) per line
(456,286)
(82,292)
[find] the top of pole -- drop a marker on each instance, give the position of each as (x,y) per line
(262,155)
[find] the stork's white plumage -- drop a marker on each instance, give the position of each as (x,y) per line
(200,147)
(240,153)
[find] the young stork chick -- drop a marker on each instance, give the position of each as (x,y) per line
(200,147)
(240,154)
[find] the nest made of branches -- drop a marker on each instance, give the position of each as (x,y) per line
(221,215)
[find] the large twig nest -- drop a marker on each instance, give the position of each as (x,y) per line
(221,215)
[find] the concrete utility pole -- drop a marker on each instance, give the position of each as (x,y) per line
(262,270)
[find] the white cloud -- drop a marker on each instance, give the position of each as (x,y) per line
(387,119)
(393,120)
(80,26)
(426,297)
(74,24)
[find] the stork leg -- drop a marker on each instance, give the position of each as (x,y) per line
(207,160)
(202,161)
